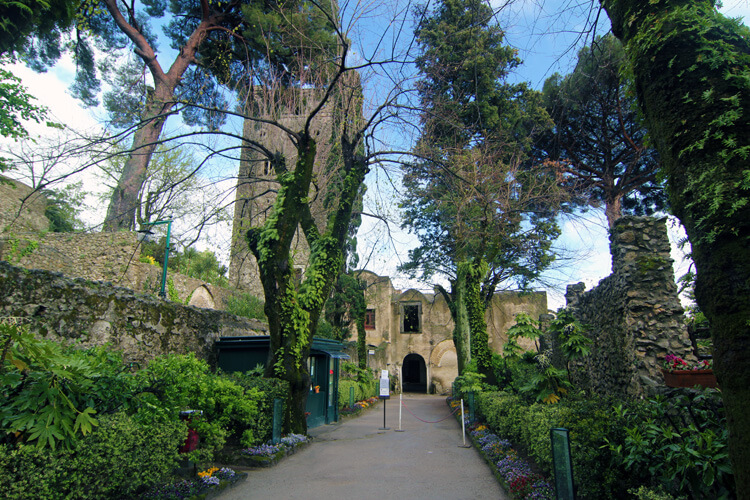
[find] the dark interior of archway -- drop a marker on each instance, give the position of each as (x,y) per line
(414,372)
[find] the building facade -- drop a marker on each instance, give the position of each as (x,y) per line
(410,333)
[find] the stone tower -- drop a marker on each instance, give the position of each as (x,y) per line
(256,183)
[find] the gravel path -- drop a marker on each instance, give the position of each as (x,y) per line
(356,460)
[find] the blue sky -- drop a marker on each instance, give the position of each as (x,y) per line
(547,38)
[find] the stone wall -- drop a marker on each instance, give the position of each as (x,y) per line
(111,257)
(634,315)
(16,217)
(97,313)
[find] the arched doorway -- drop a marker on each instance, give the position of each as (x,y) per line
(414,373)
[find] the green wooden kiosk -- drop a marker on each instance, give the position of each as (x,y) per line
(240,354)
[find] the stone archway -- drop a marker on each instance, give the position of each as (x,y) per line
(443,366)
(202,297)
(414,374)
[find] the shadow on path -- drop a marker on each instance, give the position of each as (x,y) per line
(355,459)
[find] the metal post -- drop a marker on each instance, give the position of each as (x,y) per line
(463,423)
(400,405)
(146,233)
(163,293)
(470,395)
(384,428)
(351,397)
(278,407)
(562,464)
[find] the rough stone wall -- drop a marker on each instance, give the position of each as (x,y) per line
(111,257)
(634,315)
(97,313)
(14,216)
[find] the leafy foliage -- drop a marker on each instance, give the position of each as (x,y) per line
(599,145)
(101,465)
(64,208)
(470,197)
(572,342)
(16,106)
(31,26)
(246,305)
(681,444)
(362,380)
(51,393)
(270,389)
(182,382)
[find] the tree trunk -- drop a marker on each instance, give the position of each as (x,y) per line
(689,64)
(361,343)
(461,335)
(613,210)
(125,199)
(293,314)
(480,348)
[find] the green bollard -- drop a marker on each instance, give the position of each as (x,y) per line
(351,397)
(278,417)
(471,406)
(562,464)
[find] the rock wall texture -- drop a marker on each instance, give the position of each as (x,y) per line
(97,313)
(634,315)
(111,257)
(17,216)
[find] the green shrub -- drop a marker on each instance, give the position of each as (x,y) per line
(679,445)
(51,393)
(269,389)
(174,383)
(362,379)
(119,459)
(247,306)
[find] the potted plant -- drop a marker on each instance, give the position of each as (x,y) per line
(679,373)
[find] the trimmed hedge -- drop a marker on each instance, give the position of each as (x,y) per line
(119,459)
(362,391)
(589,422)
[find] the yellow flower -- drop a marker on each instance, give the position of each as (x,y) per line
(208,473)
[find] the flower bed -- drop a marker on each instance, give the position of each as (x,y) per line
(269,454)
(514,473)
(358,407)
(210,483)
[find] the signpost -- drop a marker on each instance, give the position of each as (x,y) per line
(385,393)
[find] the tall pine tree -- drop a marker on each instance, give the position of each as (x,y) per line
(484,219)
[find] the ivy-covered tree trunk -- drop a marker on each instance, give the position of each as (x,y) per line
(480,349)
(691,68)
(461,331)
(293,313)
(361,343)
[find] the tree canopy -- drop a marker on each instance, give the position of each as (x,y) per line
(598,145)
(480,213)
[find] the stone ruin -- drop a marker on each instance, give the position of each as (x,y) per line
(634,316)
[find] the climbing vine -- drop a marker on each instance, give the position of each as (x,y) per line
(480,349)
(708,110)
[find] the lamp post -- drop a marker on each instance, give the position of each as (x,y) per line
(147,232)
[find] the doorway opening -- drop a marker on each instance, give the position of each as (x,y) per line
(414,372)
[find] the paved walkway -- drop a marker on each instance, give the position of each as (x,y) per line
(355,459)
